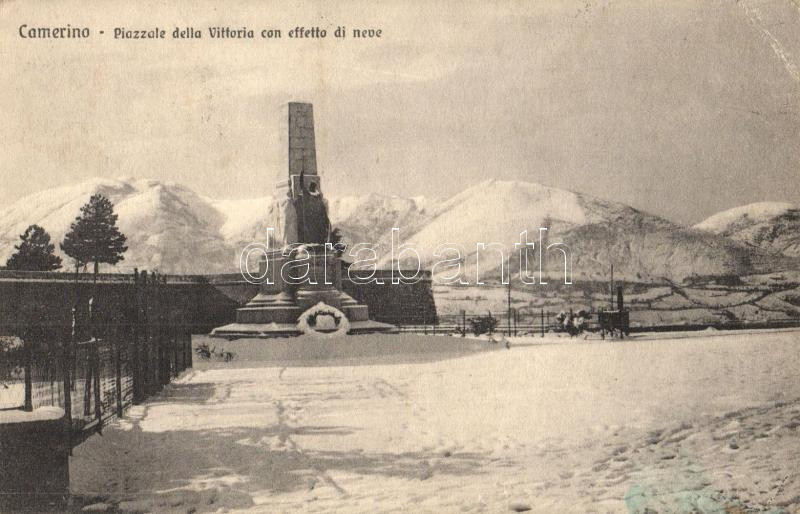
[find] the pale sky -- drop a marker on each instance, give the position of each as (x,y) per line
(680,108)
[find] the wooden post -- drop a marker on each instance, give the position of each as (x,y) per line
(144,362)
(163,340)
(92,328)
(543,322)
(611,290)
(176,369)
(152,329)
(174,348)
(87,381)
(180,348)
(28,353)
(98,408)
(189,353)
(118,369)
(69,347)
(159,334)
(516,315)
(187,346)
(509,298)
(164,343)
(135,365)
(67,364)
(165,363)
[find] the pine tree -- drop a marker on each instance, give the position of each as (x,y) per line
(35,252)
(94,237)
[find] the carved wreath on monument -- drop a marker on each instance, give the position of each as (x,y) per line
(311,320)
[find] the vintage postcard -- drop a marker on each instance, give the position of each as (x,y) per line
(400,256)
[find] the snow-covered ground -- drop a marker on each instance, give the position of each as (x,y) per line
(700,423)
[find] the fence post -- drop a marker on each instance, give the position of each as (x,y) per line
(118,369)
(68,348)
(145,362)
(67,364)
(27,347)
(164,332)
(175,369)
(189,353)
(516,316)
(98,409)
(187,343)
(160,318)
(180,356)
(153,357)
(542,322)
(160,331)
(135,365)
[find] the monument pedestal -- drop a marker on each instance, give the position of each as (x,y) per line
(281,300)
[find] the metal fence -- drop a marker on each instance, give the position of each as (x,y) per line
(456,324)
(101,364)
(542,322)
(92,380)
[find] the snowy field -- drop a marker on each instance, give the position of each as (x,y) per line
(703,422)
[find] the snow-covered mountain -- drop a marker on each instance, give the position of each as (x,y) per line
(642,247)
(168,226)
(773,226)
(175,230)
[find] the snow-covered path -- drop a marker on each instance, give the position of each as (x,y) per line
(704,423)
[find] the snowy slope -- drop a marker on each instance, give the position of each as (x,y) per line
(773,226)
(641,246)
(168,226)
(370,218)
(175,230)
(246,220)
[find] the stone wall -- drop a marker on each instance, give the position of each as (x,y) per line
(211,300)
(48,298)
(390,303)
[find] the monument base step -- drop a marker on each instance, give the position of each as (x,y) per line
(270,330)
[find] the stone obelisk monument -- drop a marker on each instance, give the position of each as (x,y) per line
(294,298)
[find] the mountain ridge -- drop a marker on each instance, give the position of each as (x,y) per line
(774,226)
(172,228)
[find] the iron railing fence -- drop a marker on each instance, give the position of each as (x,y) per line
(103,361)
